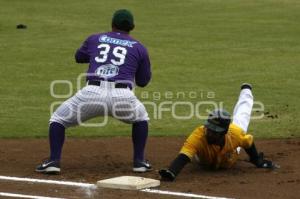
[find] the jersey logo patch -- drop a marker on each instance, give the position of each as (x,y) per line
(107,71)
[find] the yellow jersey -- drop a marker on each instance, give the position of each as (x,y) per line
(213,155)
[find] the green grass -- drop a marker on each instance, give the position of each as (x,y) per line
(195,46)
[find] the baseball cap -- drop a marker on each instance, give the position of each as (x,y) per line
(218,121)
(123,20)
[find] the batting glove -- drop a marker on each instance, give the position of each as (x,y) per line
(166,175)
(263,163)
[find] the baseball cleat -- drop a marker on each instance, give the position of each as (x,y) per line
(141,167)
(49,167)
(246,86)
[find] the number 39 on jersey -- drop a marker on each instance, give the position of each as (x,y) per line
(119,54)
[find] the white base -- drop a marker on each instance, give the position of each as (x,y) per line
(128,183)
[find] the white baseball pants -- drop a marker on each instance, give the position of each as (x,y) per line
(242,109)
(104,100)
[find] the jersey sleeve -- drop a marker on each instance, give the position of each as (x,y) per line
(244,140)
(247,141)
(192,144)
(82,54)
(143,73)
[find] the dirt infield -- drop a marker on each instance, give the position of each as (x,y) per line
(89,160)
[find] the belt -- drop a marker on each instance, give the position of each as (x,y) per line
(117,85)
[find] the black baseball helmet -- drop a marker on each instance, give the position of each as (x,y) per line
(218,121)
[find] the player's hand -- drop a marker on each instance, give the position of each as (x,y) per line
(166,175)
(263,163)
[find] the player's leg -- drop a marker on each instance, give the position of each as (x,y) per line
(56,141)
(127,108)
(139,140)
(243,108)
(85,104)
(56,138)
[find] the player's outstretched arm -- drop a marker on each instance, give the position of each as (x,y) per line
(176,166)
(258,158)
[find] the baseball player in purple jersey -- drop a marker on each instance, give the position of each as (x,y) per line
(117,62)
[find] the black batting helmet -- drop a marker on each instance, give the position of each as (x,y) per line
(218,121)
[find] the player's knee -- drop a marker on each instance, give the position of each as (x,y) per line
(142,117)
(57,119)
(54,119)
(135,119)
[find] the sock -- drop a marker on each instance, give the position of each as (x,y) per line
(56,140)
(139,139)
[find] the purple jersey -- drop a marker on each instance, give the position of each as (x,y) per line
(115,56)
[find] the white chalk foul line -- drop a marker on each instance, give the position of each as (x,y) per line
(24,196)
(67,183)
(88,185)
(190,195)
